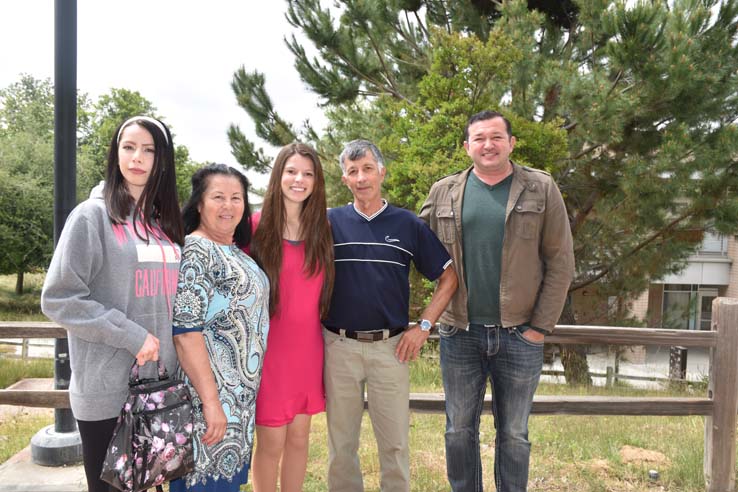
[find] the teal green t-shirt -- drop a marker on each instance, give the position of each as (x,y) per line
(483,226)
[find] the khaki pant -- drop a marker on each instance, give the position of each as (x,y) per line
(351,366)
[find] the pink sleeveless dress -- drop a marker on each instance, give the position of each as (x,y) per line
(292,376)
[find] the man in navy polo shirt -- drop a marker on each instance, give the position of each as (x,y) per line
(367,344)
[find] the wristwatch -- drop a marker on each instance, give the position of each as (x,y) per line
(425,325)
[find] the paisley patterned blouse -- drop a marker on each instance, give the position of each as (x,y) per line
(223,293)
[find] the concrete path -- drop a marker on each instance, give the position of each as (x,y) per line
(19,474)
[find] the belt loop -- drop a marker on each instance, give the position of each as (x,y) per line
(385,334)
(342,332)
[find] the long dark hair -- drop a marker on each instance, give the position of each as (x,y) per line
(158,201)
(314,226)
(200,180)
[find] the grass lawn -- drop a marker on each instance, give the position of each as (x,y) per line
(26,306)
(16,432)
(569,453)
(12,370)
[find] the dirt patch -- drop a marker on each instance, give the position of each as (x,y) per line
(640,456)
(599,467)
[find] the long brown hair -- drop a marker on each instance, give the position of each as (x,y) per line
(316,231)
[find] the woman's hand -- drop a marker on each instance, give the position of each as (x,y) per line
(149,350)
(195,361)
(215,420)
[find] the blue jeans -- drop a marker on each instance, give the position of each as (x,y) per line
(513,366)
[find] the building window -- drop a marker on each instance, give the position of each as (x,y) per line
(687,307)
(714,244)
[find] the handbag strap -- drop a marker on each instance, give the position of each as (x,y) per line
(162,372)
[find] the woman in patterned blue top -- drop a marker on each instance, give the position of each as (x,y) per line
(221,320)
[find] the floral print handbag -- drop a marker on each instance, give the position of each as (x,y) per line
(152,440)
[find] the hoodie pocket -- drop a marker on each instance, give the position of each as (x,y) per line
(99,368)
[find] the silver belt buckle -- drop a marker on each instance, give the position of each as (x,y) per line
(365,336)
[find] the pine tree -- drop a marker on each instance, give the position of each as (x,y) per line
(630,105)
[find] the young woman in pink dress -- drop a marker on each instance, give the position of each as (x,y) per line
(294,246)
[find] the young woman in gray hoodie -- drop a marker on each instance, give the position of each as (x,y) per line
(112,280)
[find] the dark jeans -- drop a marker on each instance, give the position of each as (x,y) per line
(96,437)
(513,366)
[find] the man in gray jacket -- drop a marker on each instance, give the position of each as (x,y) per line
(508,232)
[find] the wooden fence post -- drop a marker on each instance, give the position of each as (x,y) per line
(609,377)
(720,431)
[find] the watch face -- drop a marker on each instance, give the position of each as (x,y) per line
(425,325)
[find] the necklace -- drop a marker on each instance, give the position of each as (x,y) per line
(291,232)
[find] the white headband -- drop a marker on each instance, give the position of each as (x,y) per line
(145,118)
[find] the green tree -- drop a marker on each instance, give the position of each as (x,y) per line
(26,226)
(26,176)
(630,105)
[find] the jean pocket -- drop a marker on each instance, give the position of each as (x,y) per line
(526,341)
(329,338)
(447,330)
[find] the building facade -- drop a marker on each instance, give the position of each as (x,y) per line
(684,300)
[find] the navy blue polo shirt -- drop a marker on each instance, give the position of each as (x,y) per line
(373,255)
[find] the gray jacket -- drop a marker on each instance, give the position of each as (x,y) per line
(109,288)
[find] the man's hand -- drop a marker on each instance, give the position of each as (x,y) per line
(410,343)
(149,350)
(533,336)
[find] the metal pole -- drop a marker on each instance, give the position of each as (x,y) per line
(65,164)
(62,445)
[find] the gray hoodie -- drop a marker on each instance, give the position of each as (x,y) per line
(109,288)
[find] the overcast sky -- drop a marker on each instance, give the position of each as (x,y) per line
(179,54)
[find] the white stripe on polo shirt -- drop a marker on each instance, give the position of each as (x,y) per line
(370,261)
(374,244)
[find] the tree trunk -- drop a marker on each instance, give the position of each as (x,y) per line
(19,283)
(573,357)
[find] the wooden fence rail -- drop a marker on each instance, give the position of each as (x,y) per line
(720,407)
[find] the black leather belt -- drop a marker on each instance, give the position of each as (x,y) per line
(367,336)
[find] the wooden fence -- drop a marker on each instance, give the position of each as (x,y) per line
(25,344)
(719,406)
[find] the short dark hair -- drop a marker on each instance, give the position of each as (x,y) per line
(486,115)
(200,180)
(159,197)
